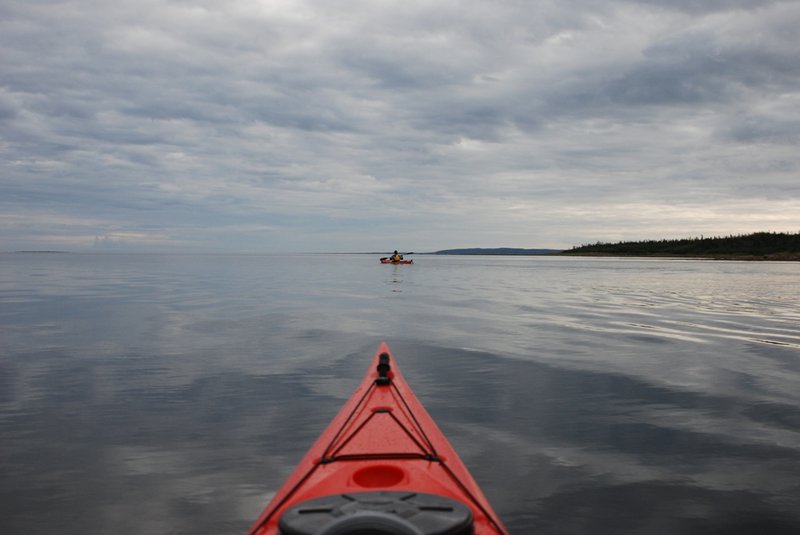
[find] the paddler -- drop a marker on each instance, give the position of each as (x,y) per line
(396,257)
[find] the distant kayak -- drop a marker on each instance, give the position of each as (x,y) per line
(388,261)
(382,467)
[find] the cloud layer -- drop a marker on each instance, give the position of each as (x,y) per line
(250,125)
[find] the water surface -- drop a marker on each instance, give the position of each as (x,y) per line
(174,393)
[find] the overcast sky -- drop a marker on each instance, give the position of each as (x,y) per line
(370,125)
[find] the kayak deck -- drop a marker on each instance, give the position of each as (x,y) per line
(383,440)
(387,261)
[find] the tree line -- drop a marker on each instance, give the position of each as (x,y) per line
(778,245)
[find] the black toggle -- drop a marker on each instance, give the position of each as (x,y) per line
(383,370)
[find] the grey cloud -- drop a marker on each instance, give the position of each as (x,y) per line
(8,108)
(707,6)
(239,112)
(765,130)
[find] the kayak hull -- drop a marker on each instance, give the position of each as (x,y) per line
(382,440)
(387,261)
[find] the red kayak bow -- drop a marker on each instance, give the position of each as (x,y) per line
(382,466)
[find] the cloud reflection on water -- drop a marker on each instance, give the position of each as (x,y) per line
(174,394)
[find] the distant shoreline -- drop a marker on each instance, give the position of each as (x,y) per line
(498,251)
(756,246)
(780,257)
(40,252)
(729,257)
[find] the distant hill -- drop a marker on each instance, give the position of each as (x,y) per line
(40,252)
(756,246)
(509,251)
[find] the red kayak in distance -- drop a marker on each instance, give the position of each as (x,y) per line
(382,467)
(388,261)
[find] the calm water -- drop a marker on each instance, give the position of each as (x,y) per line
(144,394)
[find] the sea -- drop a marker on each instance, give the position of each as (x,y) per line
(172,394)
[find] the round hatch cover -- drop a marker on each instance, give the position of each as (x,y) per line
(378,513)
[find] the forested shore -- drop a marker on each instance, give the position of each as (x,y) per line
(756,246)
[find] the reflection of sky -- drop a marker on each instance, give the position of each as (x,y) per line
(175,393)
